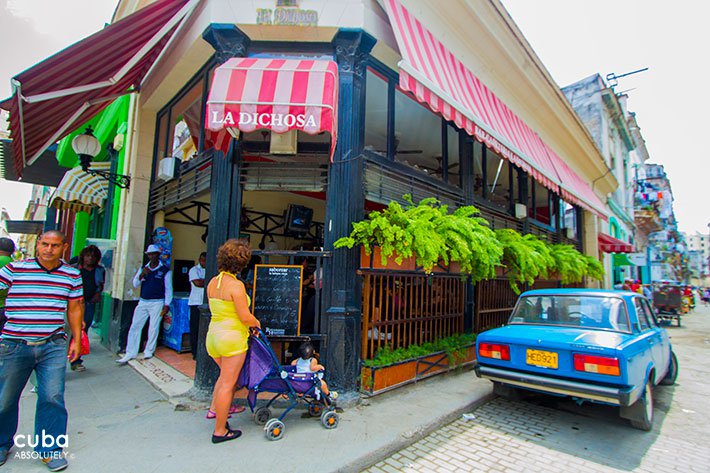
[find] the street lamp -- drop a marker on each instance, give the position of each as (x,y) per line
(86,146)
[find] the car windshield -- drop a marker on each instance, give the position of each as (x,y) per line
(595,312)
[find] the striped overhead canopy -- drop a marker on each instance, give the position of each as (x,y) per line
(81,191)
(55,96)
(280,95)
(609,244)
(437,78)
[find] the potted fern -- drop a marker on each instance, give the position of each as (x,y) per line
(525,257)
(571,266)
(430,234)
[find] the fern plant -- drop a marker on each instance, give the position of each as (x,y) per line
(594,268)
(431,234)
(526,257)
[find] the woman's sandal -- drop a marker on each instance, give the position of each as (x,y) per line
(232,410)
(230,435)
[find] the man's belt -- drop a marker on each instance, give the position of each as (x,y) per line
(31,343)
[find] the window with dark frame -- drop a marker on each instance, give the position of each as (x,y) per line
(180,124)
(400,128)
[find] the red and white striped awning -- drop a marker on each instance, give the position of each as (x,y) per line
(59,94)
(609,244)
(280,95)
(438,79)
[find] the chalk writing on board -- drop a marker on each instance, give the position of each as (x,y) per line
(277,298)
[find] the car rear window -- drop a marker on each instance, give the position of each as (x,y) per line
(595,312)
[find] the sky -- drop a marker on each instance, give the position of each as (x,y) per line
(578,38)
(574,39)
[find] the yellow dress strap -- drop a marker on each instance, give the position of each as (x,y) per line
(219,278)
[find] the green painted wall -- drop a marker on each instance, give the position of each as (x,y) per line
(81,231)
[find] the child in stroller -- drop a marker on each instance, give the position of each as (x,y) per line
(262,373)
(308,363)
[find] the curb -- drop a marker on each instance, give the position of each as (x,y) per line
(406,439)
(163,377)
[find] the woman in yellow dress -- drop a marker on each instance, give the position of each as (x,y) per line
(229,328)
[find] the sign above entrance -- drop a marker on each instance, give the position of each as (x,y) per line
(249,94)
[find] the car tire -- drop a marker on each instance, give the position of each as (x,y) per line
(672,374)
(643,409)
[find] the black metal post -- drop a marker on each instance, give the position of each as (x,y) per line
(225,201)
(346,204)
(467,180)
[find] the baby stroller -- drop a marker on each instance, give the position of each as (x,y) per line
(262,373)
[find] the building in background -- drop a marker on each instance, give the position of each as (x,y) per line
(666,250)
(698,245)
(618,137)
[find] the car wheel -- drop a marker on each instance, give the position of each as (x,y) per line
(672,374)
(644,409)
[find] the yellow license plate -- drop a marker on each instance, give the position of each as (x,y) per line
(546,359)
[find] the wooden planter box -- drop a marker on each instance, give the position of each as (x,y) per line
(381,379)
(374,261)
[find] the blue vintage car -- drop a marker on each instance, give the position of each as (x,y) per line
(590,344)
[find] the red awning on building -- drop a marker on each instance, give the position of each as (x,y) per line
(57,95)
(280,95)
(609,244)
(438,79)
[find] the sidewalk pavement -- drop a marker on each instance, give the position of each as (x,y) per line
(119,422)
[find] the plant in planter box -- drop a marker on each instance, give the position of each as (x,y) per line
(431,234)
(391,368)
(526,257)
(454,346)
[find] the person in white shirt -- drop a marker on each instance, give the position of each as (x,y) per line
(197,296)
(156,282)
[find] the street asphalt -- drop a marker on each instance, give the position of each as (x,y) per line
(543,434)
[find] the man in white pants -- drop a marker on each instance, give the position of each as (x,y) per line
(156,282)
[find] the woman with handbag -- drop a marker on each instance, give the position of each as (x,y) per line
(93,276)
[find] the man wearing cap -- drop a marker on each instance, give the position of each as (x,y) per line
(156,283)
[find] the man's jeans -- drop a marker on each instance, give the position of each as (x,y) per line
(17,361)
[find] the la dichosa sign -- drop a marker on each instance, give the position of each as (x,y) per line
(265,120)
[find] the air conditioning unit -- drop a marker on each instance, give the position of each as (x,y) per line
(167,168)
(284,143)
(521,211)
(570,233)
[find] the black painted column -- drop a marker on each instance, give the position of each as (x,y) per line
(225,200)
(466,168)
(346,204)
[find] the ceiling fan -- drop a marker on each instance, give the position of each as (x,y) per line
(400,151)
(440,169)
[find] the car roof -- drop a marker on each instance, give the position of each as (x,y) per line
(579,292)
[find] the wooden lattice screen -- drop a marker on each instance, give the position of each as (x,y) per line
(402,309)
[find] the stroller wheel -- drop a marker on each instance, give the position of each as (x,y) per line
(261,415)
(329,419)
(315,410)
(274,429)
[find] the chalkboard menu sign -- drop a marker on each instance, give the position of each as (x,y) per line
(277,298)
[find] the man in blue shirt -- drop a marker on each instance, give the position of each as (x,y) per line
(156,282)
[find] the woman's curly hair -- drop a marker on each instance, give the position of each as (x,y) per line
(233,256)
(90,250)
